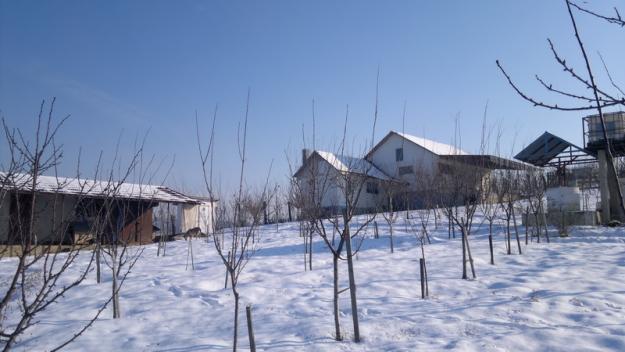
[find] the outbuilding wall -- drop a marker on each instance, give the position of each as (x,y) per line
(415,156)
(5,208)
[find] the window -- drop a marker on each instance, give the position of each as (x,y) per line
(399,154)
(405,170)
(372,187)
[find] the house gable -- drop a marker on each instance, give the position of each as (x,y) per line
(414,157)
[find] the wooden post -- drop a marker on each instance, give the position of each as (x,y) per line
(425,271)
(305,247)
(250,329)
(310,248)
(375,227)
(422,271)
(527,218)
(464,255)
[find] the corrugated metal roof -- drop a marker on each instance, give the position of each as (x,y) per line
(490,162)
(548,147)
(95,188)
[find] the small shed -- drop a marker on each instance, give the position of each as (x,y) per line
(199,215)
(69,210)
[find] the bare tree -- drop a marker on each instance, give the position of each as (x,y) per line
(489,210)
(352,182)
(278,203)
(310,191)
(238,244)
(598,99)
(36,241)
(534,188)
(463,188)
(328,189)
(121,227)
(392,192)
(503,190)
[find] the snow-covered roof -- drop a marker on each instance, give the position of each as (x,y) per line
(346,163)
(95,188)
(435,147)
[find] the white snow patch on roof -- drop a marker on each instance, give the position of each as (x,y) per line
(95,188)
(434,147)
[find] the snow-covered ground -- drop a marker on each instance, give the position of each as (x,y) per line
(563,296)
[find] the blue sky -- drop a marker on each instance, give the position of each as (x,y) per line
(126,68)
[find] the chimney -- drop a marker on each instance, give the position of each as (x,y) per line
(305,155)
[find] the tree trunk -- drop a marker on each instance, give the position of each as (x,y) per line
(466,238)
(490,242)
(516,229)
(425,270)
(115,292)
(337,323)
(453,230)
(228,273)
(537,226)
(189,254)
(236,320)
(545,224)
(310,249)
(352,281)
(508,235)
(290,215)
(305,251)
(464,255)
(391,234)
(98,277)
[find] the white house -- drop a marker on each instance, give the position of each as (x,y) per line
(403,156)
(398,158)
(323,176)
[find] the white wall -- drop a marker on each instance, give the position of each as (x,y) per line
(333,195)
(327,180)
(416,156)
(198,215)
